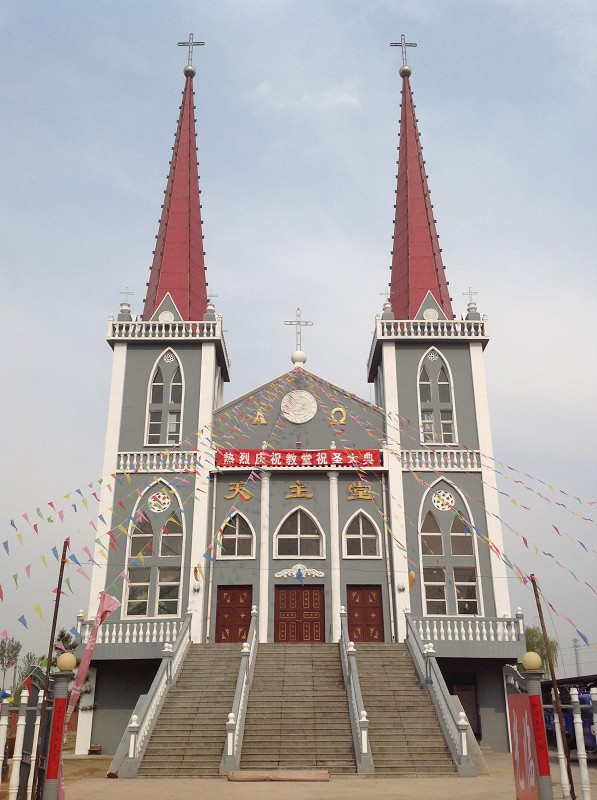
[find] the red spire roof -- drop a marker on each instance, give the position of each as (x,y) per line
(178,265)
(417,266)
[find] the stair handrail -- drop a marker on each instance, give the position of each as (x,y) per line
(454,723)
(358,716)
(235,725)
(135,738)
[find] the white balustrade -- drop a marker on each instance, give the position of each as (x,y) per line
(132,632)
(446,460)
(432,329)
(162,461)
(466,629)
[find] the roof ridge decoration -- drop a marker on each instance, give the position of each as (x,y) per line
(178,264)
(417,266)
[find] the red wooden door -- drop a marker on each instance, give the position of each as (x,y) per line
(233,613)
(299,614)
(365,613)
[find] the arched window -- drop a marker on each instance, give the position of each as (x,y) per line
(436,412)
(448,553)
(362,538)
(165,397)
(237,539)
(154,554)
(431,536)
(299,535)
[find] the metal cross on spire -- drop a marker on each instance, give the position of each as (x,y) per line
(127,293)
(403,44)
(470,294)
(300,323)
(190,44)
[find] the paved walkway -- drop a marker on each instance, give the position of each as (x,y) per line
(499,785)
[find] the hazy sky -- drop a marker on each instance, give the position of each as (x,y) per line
(298,113)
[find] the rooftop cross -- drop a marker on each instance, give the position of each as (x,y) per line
(127,292)
(470,294)
(403,44)
(300,323)
(190,44)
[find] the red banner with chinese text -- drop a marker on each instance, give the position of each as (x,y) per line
(524,753)
(298,458)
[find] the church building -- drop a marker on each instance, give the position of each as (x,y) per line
(299,498)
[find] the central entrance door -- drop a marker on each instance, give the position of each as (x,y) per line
(233,614)
(299,614)
(364,613)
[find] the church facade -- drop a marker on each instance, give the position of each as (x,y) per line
(299,498)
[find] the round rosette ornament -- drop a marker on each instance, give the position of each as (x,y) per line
(158,502)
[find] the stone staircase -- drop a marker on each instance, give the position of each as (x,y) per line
(297,714)
(404,732)
(189,736)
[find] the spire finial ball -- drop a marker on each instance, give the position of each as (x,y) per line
(405,71)
(189,71)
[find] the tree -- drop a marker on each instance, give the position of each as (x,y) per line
(65,642)
(536,643)
(26,666)
(9,654)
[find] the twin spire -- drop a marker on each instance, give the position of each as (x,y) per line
(178,265)
(417,266)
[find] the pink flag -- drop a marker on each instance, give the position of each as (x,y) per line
(107,605)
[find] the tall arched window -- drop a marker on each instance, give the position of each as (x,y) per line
(299,535)
(362,538)
(154,555)
(165,398)
(448,553)
(436,411)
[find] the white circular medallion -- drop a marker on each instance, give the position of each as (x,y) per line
(430,314)
(443,500)
(166,316)
(158,502)
(433,356)
(299,406)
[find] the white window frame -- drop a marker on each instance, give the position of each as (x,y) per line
(306,557)
(435,407)
(226,528)
(361,513)
(166,408)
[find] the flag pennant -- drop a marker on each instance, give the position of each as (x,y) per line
(55,553)
(23,621)
(37,609)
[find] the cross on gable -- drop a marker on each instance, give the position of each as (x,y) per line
(403,44)
(300,323)
(190,44)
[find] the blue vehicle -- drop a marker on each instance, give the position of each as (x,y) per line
(588,725)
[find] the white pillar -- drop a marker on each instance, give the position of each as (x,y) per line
(585,780)
(98,573)
(393,464)
(264,539)
(334,545)
(85,718)
(488,476)
(13,786)
(200,535)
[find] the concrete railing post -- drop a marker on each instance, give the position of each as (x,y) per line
(462,729)
(585,781)
(564,782)
(364,731)
(13,786)
(4,706)
(230,731)
(533,686)
(133,728)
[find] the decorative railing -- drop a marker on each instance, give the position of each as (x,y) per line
(163,461)
(127,759)
(469,629)
(235,725)
(119,331)
(445,460)
(515,680)
(358,716)
(126,631)
(453,724)
(432,329)
(164,330)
